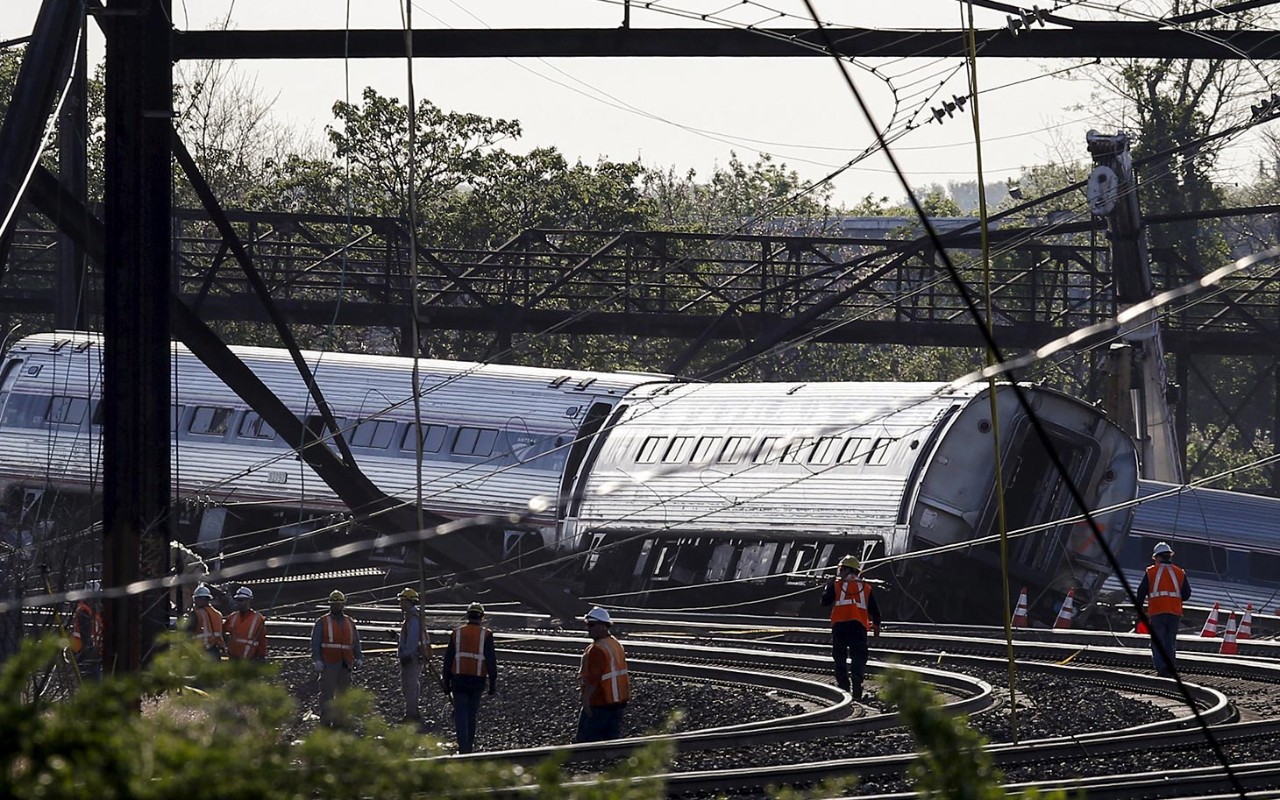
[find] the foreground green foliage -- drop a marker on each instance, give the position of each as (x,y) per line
(224,741)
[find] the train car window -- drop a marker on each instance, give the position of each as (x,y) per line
(649,449)
(475,441)
(7,377)
(765,450)
(823,450)
(26,410)
(855,449)
(373,433)
(1199,557)
(315,424)
(1264,567)
(880,452)
(210,421)
(65,410)
(678,450)
(705,449)
(254,427)
(735,447)
(432,438)
(797,450)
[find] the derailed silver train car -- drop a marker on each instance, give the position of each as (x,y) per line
(676,494)
(494,436)
(1228,542)
(732,495)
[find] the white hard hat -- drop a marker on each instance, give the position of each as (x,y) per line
(202,591)
(244,593)
(1161,548)
(598,614)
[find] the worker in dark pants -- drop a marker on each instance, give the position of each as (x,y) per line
(853,613)
(1164,587)
(604,681)
(470,661)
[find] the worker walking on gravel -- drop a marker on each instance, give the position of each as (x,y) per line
(246,629)
(1164,587)
(853,613)
(205,622)
(413,645)
(335,650)
(469,662)
(605,684)
(86,634)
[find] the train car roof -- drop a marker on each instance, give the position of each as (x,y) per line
(813,403)
(1213,516)
(277,365)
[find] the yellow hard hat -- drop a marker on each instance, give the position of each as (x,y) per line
(409,594)
(337,597)
(475,610)
(851,562)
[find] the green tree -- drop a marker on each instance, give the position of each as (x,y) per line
(453,151)
(226,740)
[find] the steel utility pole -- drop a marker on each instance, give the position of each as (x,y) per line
(136,352)
(1143,387)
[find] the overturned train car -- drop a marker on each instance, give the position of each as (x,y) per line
(727,485)
(673,494)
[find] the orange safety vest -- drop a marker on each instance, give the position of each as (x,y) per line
(613,682)
(852,596)
(247,633)
(209,627)
(95,627)
(1165,582)
(337,641)
(468,650)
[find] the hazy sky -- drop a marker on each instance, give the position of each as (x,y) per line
(686,113)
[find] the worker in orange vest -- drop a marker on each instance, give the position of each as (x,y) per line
(205,622)
(604,683)
(470,661)
(246,629)
(1164,587)
(335,650)
(86,634)
(853,613)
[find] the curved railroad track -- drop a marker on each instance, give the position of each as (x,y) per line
(1238,698)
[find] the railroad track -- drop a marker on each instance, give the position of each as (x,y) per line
(791,657)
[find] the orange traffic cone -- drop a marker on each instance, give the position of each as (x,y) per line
(1210,628)
(1068,611)
(1229,638)
(1020,613)
(1246,623)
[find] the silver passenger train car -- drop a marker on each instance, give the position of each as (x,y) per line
(727,484)
(1228,542)
(674,493)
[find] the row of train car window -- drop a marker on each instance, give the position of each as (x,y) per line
(1230,563)
(815,450)
(26,410)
